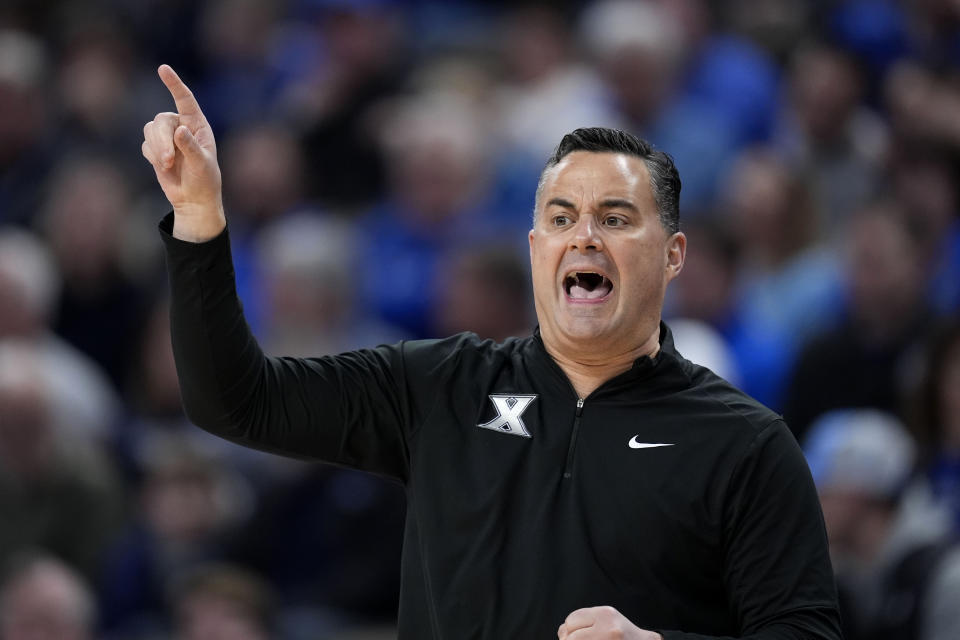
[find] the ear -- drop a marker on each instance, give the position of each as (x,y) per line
(676,253)
(530,240)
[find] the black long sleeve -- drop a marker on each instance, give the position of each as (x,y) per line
(347,409)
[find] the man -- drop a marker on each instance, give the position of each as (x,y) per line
(587,475)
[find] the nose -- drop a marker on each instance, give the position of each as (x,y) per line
(586,236)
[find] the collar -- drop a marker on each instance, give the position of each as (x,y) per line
(666,364)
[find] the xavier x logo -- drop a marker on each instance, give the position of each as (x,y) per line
(509,409)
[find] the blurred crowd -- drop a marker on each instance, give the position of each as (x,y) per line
(379,161)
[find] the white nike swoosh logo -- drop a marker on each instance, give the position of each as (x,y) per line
(635,444)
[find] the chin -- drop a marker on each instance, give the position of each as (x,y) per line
(585,329)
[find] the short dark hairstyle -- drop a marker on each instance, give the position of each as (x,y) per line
(664,177)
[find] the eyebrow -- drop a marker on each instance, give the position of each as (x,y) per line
(609,203)
(619,203)
(560,202)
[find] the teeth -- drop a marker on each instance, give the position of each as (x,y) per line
(586,280)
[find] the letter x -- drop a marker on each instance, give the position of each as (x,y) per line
(509,409)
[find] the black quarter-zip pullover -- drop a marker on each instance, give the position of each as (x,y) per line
(666,493)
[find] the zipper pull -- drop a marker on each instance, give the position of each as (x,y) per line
(579,406)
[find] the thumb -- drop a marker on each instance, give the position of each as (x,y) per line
(187,143)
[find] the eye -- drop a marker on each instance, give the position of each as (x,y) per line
(561,221)
(614,221)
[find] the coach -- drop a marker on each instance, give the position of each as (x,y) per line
(587,476)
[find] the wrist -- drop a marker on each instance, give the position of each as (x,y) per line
(198,225)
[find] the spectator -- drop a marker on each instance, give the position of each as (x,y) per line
(788,284)
(94,76)
(924,181)
(546,91)
(187,504)
(645,51)
(100,306)
(238,78)
(83,402)
(485,290)
(41,598)
(864,360)
(308,270)
(56,491)
(440,201)
(221,602)
(921,105)
(365,63)
(329,541)
(828,133)
(259,192)
(25,150)
(898,568)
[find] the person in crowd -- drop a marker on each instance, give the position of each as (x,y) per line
(897,564)
(365,62)
(924,182)
(439,202)
(788,283)
(58,489)
(84,402)
(307,266)
(222,602)
(42,598)
(863,361)
(547,91)
(485,290)
(188,505)
(261,193)
(703,98)
(827,133)
(26,152)
(101,305)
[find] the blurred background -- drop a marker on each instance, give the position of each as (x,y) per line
(379,161)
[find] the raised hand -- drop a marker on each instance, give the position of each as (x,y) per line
(181,148)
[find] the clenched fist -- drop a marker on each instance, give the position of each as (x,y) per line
(181,148)
(602,623)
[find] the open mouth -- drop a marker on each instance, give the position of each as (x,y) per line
(586,285)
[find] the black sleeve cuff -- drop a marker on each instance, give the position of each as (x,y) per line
(202,256)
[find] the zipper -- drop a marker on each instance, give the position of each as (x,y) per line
(568,469)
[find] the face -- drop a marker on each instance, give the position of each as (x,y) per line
(600,257)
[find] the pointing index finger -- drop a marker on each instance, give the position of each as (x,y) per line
(186,104)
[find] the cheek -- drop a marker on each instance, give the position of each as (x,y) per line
(646,272)
(543,262)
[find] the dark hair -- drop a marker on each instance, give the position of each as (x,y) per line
(664,177)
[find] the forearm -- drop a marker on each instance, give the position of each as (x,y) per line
(218,360)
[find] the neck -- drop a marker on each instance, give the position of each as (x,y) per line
(586,373)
